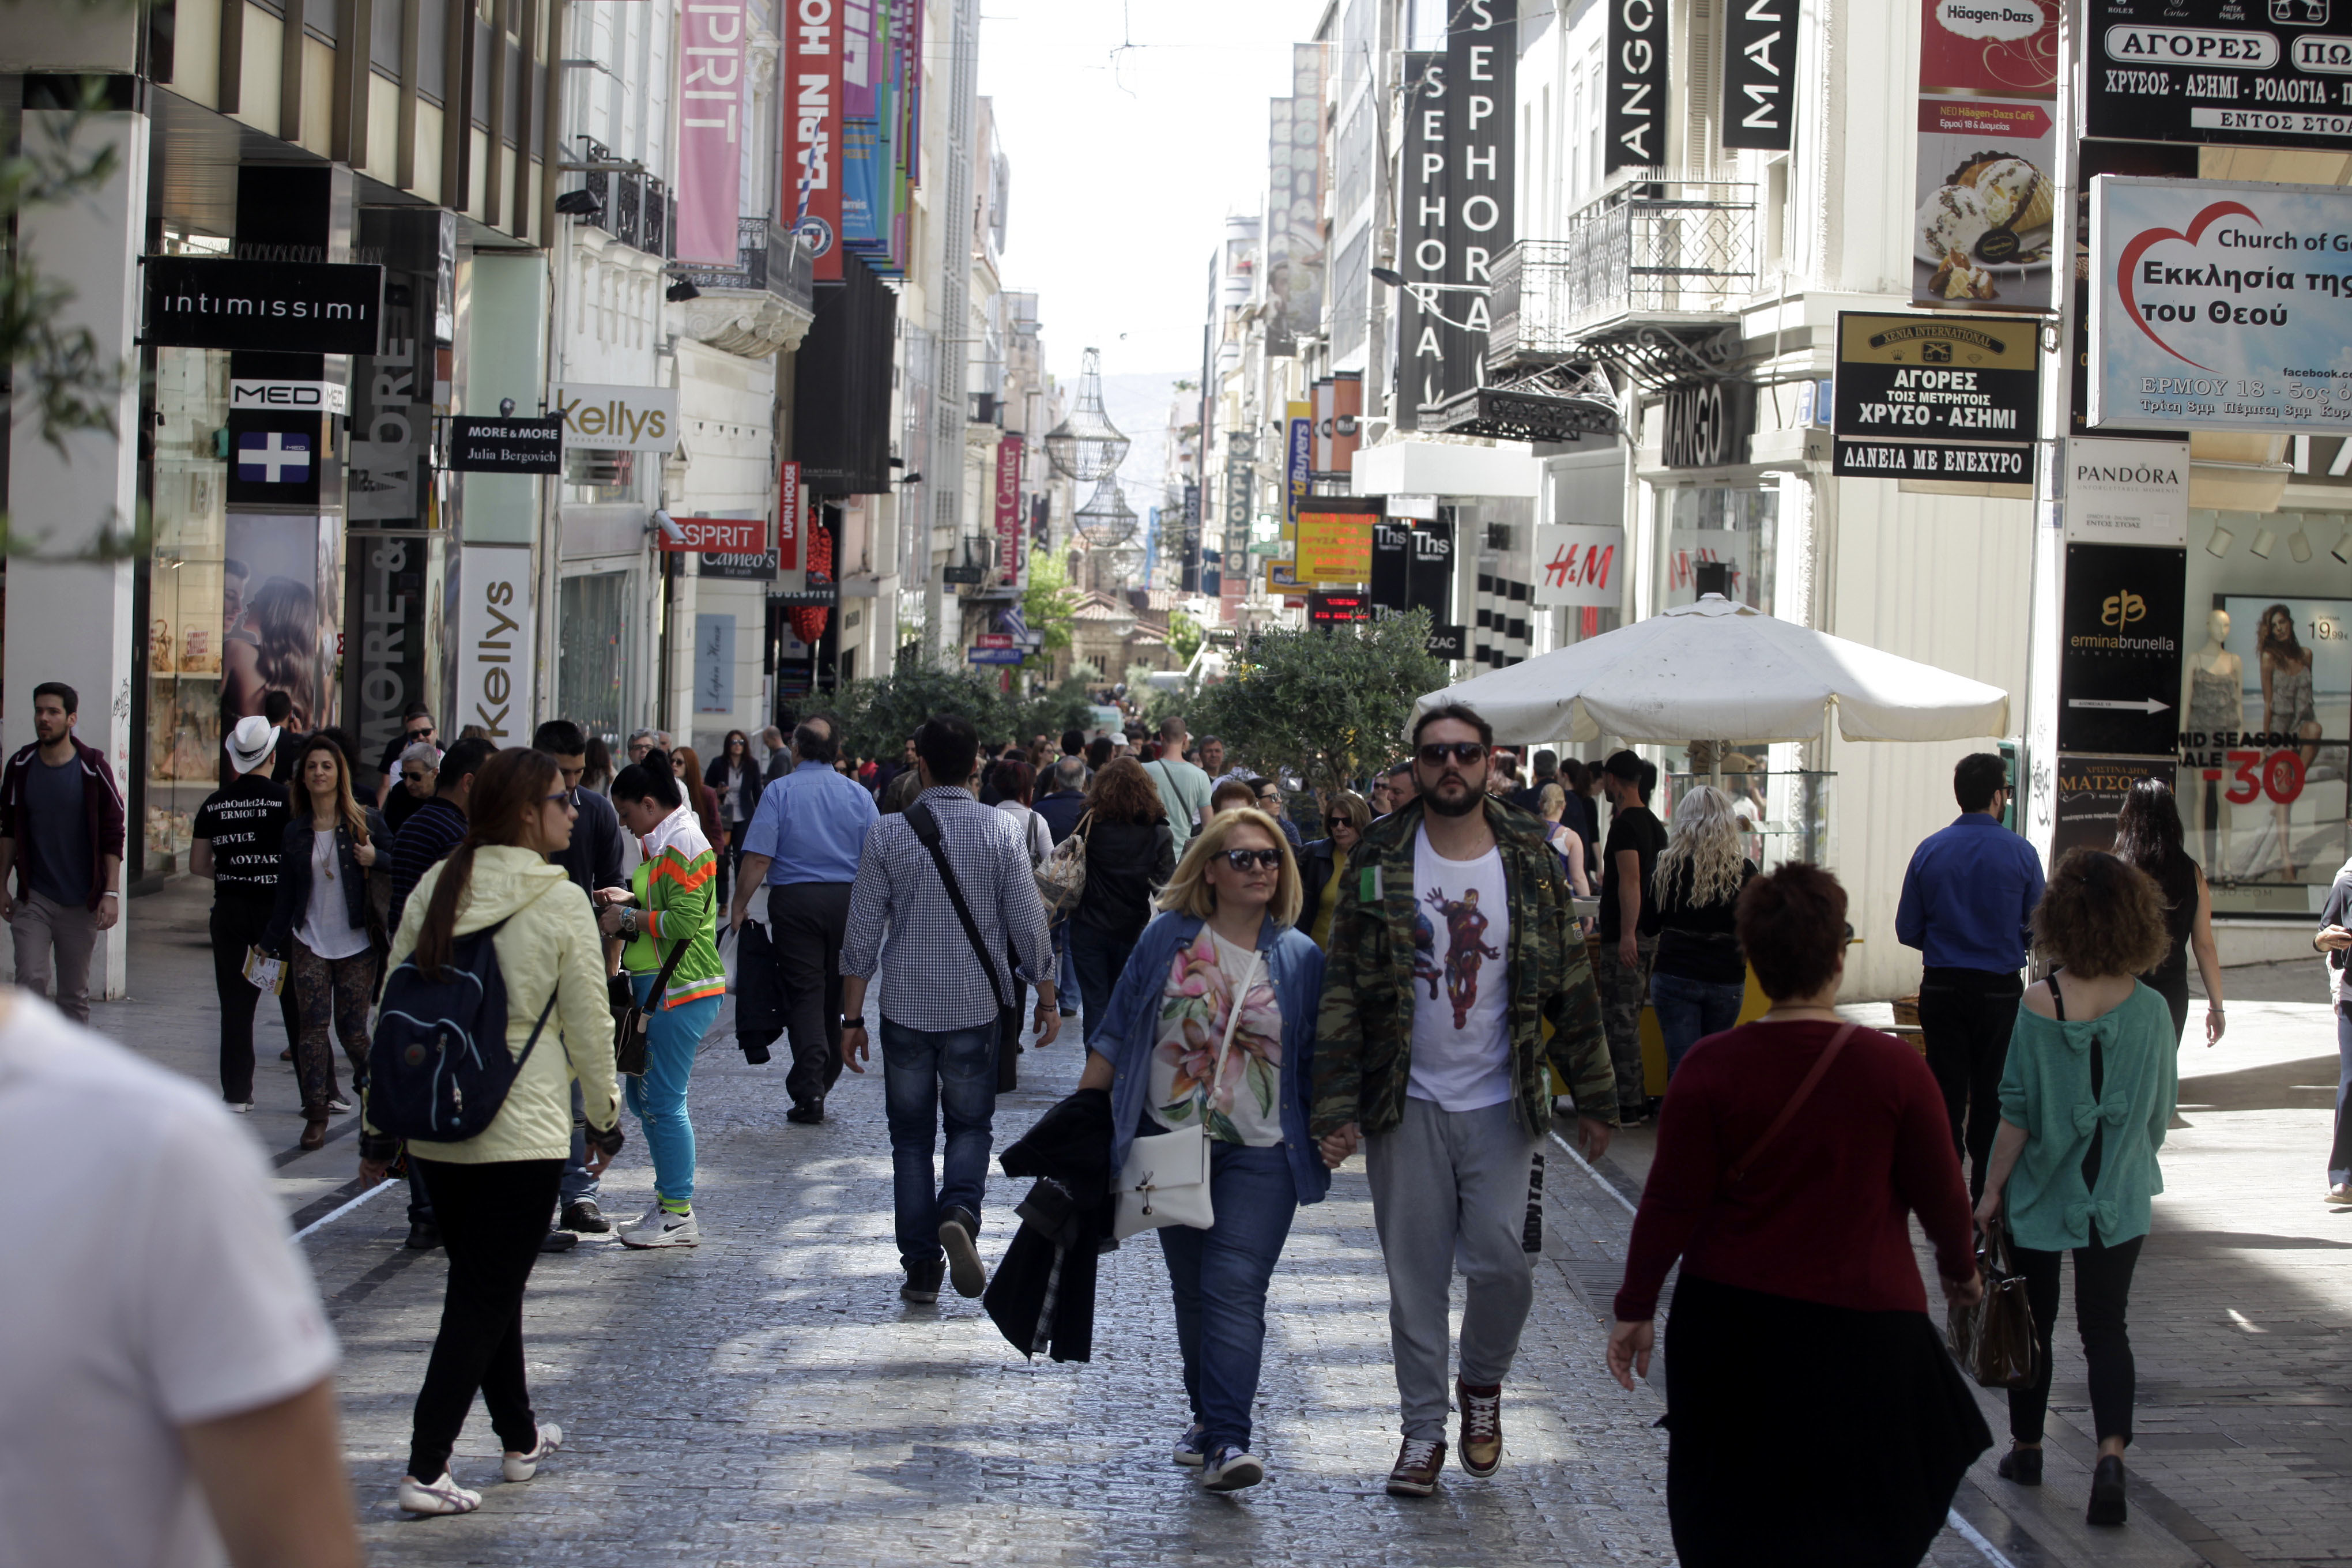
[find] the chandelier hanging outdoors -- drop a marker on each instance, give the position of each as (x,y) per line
(1087,446)
(1106,520)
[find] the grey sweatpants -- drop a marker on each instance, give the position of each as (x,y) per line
(1451,1187)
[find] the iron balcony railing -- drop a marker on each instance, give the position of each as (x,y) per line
(1664,249)
(766,257)
(633,208)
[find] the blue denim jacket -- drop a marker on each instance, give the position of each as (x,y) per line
(1130,1027)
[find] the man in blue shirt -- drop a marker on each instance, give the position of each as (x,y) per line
(803,844)
(1968,904)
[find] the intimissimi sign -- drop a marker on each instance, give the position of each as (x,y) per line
(272,307)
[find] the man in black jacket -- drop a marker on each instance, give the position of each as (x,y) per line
(437,824)
(593,860)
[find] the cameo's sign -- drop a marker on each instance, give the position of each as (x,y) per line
(272,306)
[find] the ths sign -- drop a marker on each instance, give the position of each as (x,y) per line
(1937,397)
(275,307)
(2220,71)
(1580,565)
(720,535)
(2220,307)
(1760,73)
(1709,423)
(2119,654)
(506,446)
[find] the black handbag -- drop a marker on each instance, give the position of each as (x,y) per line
(633,1022)
(1008,1016)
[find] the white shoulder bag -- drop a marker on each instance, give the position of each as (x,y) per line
(1166,1178)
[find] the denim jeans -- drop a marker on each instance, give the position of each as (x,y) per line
(1065,970)
(1690,1010)
(658,1095)
(1099,958)
(578,1185)
(929,1078)
(1220,1277)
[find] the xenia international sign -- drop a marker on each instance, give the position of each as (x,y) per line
(2220,307)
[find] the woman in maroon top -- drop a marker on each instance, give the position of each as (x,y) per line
(1792,1152)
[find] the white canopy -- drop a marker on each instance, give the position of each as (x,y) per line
(1721,671)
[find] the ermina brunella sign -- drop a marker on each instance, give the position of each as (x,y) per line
(2220,306)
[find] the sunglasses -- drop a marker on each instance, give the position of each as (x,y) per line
(416,778)
(1465,752)
(424,735)
(1241,860)
(561,797)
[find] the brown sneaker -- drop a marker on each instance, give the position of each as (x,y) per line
(1415,1473)
(1482,1428)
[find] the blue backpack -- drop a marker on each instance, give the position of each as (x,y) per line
(439,1067)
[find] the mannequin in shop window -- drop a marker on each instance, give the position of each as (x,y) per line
(2288,709)
(2210,695)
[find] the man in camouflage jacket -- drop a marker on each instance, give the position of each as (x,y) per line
(1451,1183)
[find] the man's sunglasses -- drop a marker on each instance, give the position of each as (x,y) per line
(415,777)
(1241,859)
(1465,752)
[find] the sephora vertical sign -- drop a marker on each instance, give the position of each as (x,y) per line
(1421,235)
(1482,67)
(1636,61)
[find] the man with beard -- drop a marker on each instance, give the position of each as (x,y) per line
(1447,1094)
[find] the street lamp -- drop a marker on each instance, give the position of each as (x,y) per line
(1425,294)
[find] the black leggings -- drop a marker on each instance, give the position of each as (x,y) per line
(491,1217)
(2102,1277)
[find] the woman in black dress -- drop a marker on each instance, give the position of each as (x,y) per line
(2149,837)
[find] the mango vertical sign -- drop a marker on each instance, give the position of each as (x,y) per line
(710,124)
(494,641)
(813,120)
(1011,557)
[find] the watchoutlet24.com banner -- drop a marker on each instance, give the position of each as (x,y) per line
(2220,307)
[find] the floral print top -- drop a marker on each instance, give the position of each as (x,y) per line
(1244,1106)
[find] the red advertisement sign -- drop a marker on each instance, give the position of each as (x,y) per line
(788,518)
(725,535)
(1010,556)
(811,193)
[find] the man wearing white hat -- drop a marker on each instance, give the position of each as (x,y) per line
(237,831)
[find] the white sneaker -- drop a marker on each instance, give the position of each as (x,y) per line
(444,1495)
(522,1467)
(338,1104)
(244,1109)
(1231,1468)
(660,1228)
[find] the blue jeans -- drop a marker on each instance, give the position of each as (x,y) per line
(658,1095)
(578,1185)
(929,1078)
(1066,974)
(1220,1277)
(1099,958)
(1690,1010)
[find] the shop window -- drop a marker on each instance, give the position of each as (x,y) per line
(1718,541)
(195,593)
(593,477)
(2266,706)
(592,660)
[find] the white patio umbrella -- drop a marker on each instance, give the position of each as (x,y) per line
(1717,670)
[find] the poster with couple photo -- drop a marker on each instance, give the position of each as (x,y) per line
(278,628)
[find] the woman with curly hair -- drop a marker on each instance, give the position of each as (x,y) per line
(284,656)
(1130,854)
(2085,1101)
(1699,978)
(1224,959)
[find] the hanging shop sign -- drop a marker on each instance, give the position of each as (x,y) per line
(1012,560)
(714,664)
(1984,192)
(963,576)
(1335,539)
(1430,586)
(748,567)
(276,458)
(1457,217)
(995,654)
(1295,464)
(1447,642)
(2090,793)
(1708,424)
(790,503)
(2126,493)
(494,640)
(294,396)
(618,418)
(1635,120)
(2220,72)
(272,306)
(1347,414)
(2220,307)
(1422,254)
(1576,563)
(2119,654)
(506,446)
(1760,73)
(812,108)
(711,125)
(1937,397)
(719,535)
(1327,609)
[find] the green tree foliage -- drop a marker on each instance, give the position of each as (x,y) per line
(1330,703)
(1049,713)
(877,716)
(1183,635)
(1048,605)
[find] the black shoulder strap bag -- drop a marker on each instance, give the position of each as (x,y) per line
(927,829)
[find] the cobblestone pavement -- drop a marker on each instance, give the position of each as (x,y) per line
(766,1398)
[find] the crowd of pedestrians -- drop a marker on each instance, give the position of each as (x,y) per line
(1457,959)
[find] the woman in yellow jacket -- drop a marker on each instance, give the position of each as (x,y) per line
(493,1193)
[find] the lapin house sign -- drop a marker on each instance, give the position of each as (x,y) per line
(272,307)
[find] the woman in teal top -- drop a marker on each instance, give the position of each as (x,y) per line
(2084,1099)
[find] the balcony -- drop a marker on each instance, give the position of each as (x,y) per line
(633,208)
(763,303)
(1647,278)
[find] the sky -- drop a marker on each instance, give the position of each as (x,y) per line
(1133,127)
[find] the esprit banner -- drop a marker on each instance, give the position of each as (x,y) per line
(712,144)
(813,115)
(494,640)
(719,535)
(1984,232)
(2220,307)
(618,418)
(1011,557)
(1580,565)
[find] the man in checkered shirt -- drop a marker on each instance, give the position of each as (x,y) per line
(940,1008)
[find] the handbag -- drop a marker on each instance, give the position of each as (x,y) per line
(1008,1016)
(1993,1341)
(1062,879)
(633,1023)
(1166,1178)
